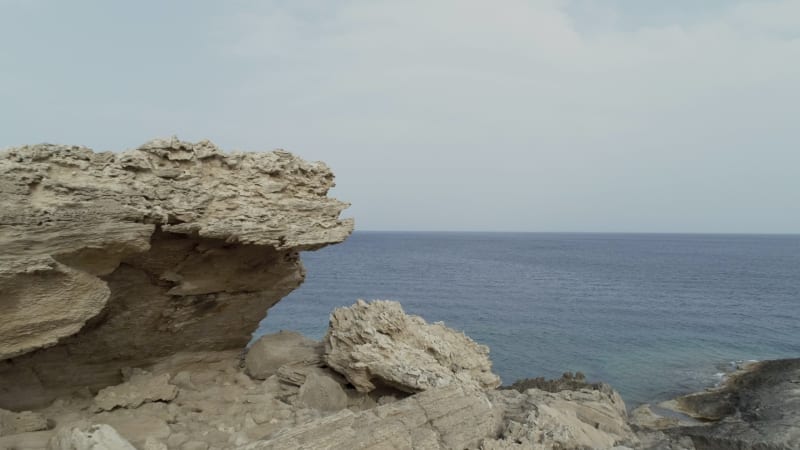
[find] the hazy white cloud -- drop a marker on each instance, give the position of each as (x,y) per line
(528,115)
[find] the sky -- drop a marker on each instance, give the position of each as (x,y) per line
(539,115)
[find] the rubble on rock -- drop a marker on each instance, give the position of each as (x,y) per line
(207,400)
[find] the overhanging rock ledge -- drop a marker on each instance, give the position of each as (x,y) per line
(113,260)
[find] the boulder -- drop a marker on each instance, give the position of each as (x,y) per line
(21,422)
(376,343)
(271,351)
(89,437)
(142,387)
(114,260)
(321,391)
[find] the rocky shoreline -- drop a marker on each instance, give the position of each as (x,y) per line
(131,283)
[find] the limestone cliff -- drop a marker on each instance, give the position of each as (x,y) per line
(113,260)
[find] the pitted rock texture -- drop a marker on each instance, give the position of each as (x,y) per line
(376,343)
(113,260)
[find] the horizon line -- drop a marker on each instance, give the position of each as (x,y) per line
(694,233)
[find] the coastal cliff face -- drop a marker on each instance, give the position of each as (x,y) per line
(114,260)
(130,284)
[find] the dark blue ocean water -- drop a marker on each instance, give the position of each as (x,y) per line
(654,315)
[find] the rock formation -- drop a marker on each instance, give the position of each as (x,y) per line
(758,407)
(379,343)
(206,400)
(564,413)
(114,260)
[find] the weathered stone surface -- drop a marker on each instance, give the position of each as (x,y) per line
(136,426)
(378,343)
(91,437)
(584,418)
(450,417)
(114,260)
(645,418)
(756,408)
(322,392)
(272,351)
(658,440)
(154,444)
(21,422)
(142,387)
(36,440)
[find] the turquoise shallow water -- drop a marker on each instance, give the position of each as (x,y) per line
(654,315)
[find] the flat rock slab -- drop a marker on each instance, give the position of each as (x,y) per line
(440,418)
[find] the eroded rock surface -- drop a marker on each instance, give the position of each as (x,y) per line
(114,260)
(21,422)
(440,418)
(756,408)
(90,437)
(272,351)
(142,387)
(377,342)
(566,419)
(208,400)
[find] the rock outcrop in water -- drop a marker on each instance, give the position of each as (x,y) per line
(758,408)
(114,260)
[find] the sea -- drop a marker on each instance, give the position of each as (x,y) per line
(654,315)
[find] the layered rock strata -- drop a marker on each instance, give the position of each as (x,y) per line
(114,260)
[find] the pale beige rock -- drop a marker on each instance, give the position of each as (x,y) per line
(565,420)
(36,440)
(114,260)
(272,351)
(320,391)
(91,437)
(644,417)
(377,342)
(135,426)
(154,444)
(142,387)
(195,445)
(451,417)
(21,422)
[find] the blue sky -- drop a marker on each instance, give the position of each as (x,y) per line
(621,115)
